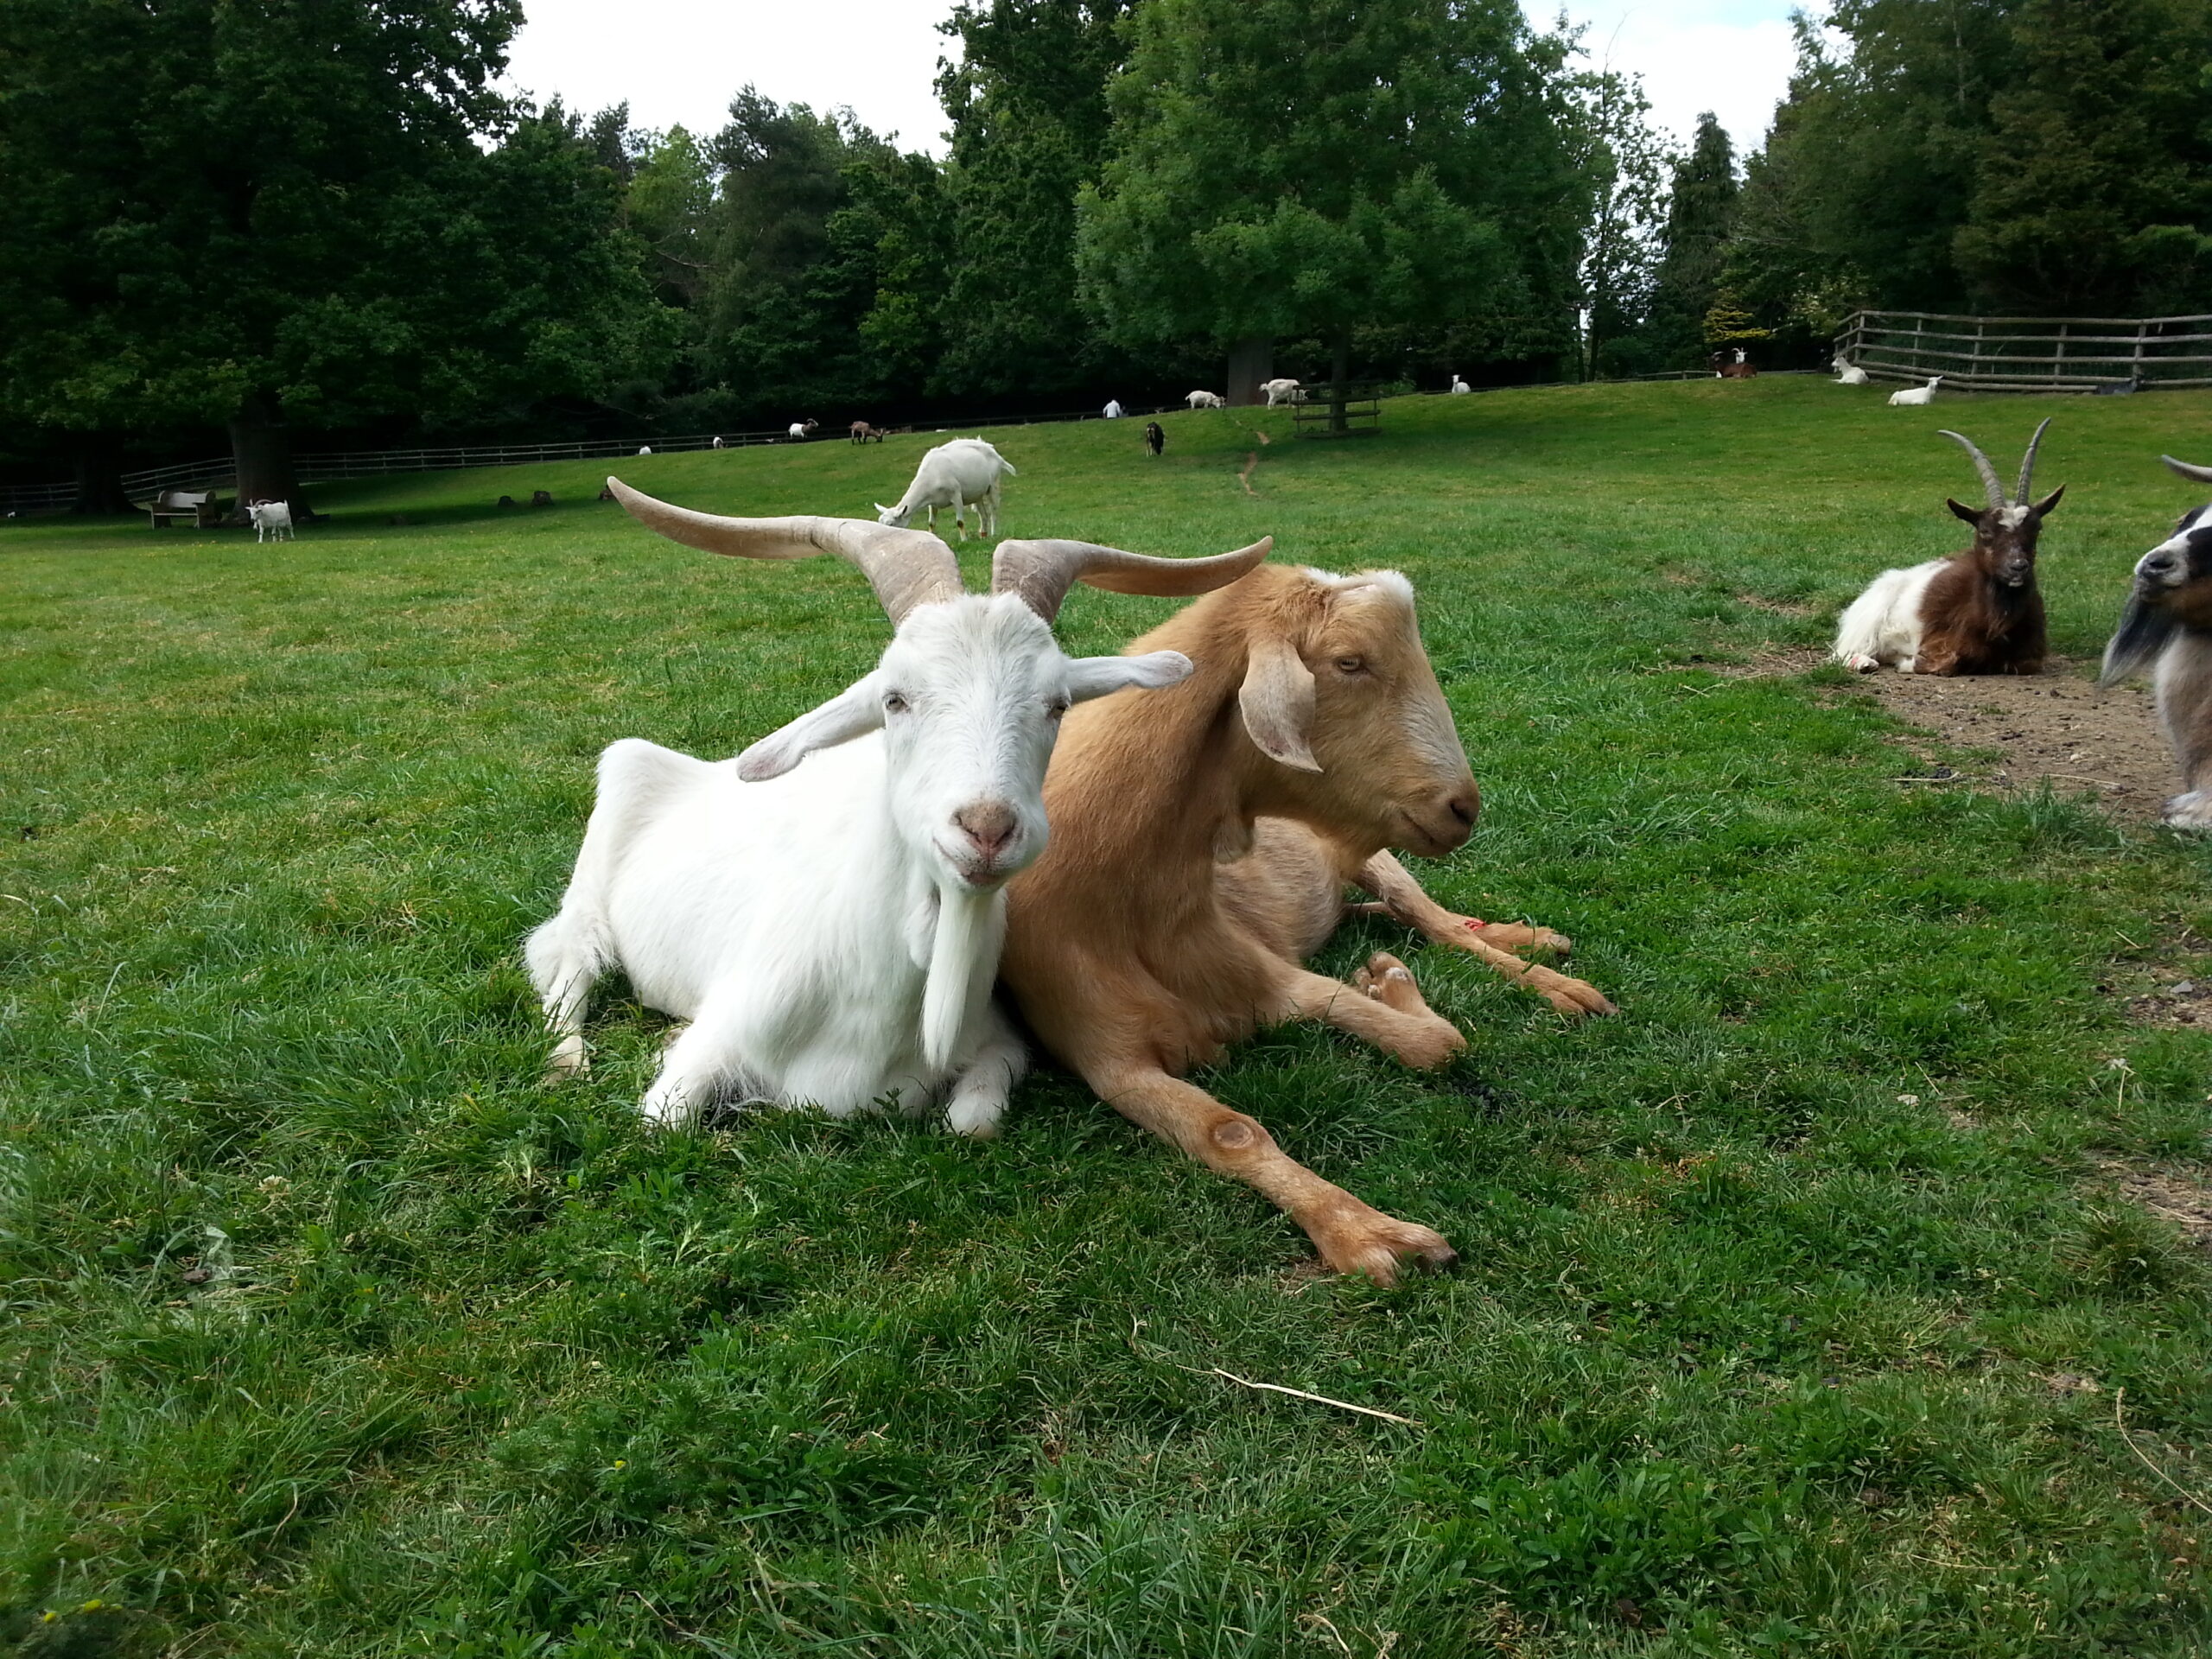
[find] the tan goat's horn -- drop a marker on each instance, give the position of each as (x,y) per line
(906,568)
(1042,572)
(1989,479)
(2201,474)
(2028,462)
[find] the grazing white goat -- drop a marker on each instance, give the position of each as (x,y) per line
(1205,400)
(962,473)
(2169,621)
(644,448)
(801,429)
(1847,373)
(272,520)
(1282,392)
(1459,386)
(826,909)
(1916,396)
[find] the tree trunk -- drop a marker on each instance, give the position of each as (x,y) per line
(1252,362)
(99,487)
(1339,371)
(261,449)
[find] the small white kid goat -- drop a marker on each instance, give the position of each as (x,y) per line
(962,473)
(831,929)
(272,521)
(1205,400)
(1916,396)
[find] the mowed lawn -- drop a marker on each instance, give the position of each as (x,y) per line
(1801,1309)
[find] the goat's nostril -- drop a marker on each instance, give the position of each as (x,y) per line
(1466,807)
(989,824)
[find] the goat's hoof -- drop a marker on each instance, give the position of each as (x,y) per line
(569,1059)
(1572,997)
(1389,982)
(977,1122)
(2190,812)
(1380,1247)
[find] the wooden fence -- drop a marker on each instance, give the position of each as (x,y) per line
(2029,354)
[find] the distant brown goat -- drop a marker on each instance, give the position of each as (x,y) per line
(1155,440)
(1977,612)
(1736,368)
(861,432)
(1201,843)
(2169,621)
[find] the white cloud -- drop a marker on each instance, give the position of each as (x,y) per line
(1732,57)
(678,61)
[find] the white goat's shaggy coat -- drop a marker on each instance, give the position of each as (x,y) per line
(960,474)
(804,906)
(1884,624)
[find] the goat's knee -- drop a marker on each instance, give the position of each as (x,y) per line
(1236,1138)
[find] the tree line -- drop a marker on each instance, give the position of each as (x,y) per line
(283,217)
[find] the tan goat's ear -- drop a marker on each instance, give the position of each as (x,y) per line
(1277,701)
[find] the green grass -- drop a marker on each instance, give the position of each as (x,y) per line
(330,1331)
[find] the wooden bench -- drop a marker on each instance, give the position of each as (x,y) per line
(198,506)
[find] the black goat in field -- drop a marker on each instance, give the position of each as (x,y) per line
(1154,439)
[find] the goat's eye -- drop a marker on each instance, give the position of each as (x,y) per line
(893,703)
(1054,710)
(1350,664)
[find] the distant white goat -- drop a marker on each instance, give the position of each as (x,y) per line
(1459,386)
(962,473)
(272,520)
(1282,392)
(1205,400)
(644,448)
(1847,373)
(800,428)
(1113,409)
(1914,396)
(827,909)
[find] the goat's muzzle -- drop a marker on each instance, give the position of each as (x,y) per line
(990,832)
(1442,822)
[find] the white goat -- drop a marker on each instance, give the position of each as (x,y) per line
(1847,373)
(801,430)
(1205,400)
(644,448)
(962,473)
(1916,396)
(1282,392)
(1459,386)
(831,930)
(272,520)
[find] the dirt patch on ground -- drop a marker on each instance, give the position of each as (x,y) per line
(2186,1204)
(2055,725)
(2018,730)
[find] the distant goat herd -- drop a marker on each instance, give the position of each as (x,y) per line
(864,910)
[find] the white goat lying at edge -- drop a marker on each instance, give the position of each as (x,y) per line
(962,473)
(1916,396)
(831,930)
(1847,373)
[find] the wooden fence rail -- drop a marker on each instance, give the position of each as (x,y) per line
(2029,354)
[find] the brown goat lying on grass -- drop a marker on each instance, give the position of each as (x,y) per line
(1978,612)
(1201,843)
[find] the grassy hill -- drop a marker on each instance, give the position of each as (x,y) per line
(1804,1308)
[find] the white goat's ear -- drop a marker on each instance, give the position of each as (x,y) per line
(853,712)
(1277,701)
(1098,676)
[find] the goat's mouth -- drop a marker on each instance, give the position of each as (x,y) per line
(1432,837)
(980,874)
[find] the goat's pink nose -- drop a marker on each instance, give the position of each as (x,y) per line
(989,824)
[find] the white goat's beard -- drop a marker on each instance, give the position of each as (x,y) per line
(964,960)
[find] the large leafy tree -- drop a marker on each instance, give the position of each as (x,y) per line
(1029,125)
(1308,167)
(1628,170)
(259,214)
(1701,214)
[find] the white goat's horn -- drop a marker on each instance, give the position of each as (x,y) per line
(2201,474)
(1042,572)
(1989,479)
(906,568)
(2028,462)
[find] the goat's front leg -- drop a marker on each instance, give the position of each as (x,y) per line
(1351,1236)
(1381,1006)
(979,1093)
(1403,897)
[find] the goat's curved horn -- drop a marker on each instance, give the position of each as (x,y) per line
(2028,462)
(1042,572)
(2201,474)
(1990,484)
(906,568)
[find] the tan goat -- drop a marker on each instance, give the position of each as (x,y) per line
(1201,839)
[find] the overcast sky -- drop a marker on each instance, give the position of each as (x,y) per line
(679,60)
